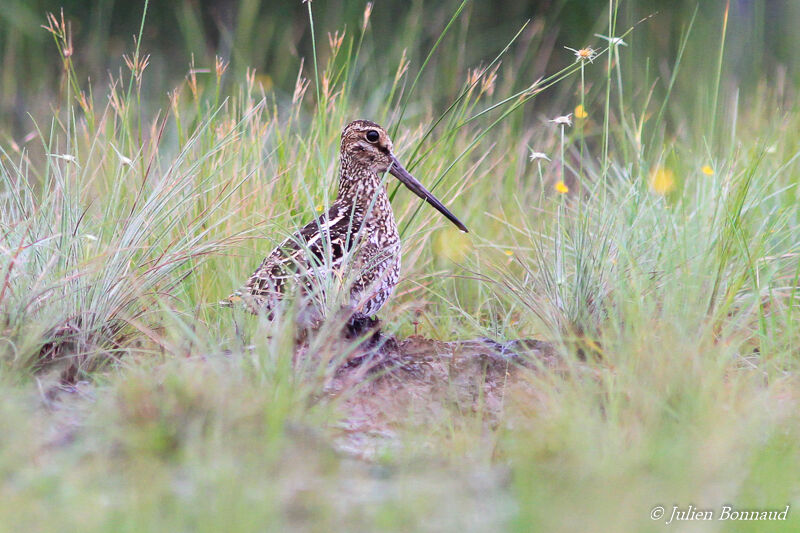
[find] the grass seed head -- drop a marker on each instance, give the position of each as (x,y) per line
(367,14)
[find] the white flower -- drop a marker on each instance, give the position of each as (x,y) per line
(584,54)
(563,120)
(612,41)
(538,155)
(124,160)
(69,158)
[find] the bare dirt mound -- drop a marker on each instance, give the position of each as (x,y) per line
(424,378)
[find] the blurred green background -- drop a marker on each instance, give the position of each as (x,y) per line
(271,36)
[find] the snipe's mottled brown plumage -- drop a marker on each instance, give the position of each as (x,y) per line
(356,240)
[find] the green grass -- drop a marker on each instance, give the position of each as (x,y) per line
(673,294)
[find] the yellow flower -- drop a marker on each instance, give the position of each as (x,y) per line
(662,180)
(509,253)
(265,80)
(320,208)
(452,244)
(561,187)
(707,170)
(580,112)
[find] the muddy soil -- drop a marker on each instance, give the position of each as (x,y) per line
(388,382)
(392,380)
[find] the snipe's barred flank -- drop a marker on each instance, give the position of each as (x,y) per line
(355,240)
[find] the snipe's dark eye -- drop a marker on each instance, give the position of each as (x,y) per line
(373,136)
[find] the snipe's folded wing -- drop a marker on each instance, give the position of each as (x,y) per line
(317,248)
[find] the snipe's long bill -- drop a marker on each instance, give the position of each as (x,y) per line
(359,226)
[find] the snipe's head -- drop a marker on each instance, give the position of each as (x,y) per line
(367,151)
(365,145)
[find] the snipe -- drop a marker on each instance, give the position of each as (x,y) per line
(356,240)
